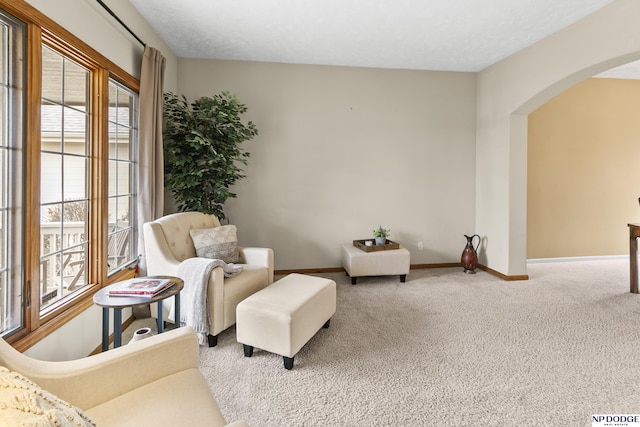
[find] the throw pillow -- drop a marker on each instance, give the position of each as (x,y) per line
(216,243)
(23,403)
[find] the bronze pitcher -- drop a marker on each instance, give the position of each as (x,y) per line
(469,257)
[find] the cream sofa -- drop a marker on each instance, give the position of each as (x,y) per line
(151,382)
(168,242)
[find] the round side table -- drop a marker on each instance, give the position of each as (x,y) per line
(117,303)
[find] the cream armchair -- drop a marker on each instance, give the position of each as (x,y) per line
(168,242)
(151,382)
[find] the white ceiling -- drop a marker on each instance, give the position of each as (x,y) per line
(448,35)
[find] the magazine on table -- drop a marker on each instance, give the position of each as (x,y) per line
(140,287)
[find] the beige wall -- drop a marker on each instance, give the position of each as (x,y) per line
(583,172)
(508,92)
(342,150)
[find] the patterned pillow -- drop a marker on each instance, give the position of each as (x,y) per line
(23,403)
(216,243)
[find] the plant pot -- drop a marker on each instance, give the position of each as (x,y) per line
(381,240)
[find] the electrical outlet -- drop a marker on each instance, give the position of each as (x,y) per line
(420,246)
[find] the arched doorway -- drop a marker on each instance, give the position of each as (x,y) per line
(513,88)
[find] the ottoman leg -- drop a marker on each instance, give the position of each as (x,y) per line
(248,350)
(353,280)
(326,325)
(288,362)
(212,339)
(403,278)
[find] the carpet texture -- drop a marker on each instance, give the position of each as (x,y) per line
(450,349)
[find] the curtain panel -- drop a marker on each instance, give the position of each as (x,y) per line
(150,152)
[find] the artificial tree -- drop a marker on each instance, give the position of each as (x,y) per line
(202,150)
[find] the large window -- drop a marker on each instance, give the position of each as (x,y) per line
(68,136)
(64,179)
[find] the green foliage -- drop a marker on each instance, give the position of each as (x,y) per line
(202,153)
(381,232)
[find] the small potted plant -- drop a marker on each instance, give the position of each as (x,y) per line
(381,235)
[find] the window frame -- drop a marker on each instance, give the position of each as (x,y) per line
(42,30)
(131,194)
(60,156)
(13,98)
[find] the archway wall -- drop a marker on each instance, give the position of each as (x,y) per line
(508,91)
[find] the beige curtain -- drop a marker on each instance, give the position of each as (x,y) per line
(150,158)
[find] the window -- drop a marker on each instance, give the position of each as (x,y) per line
(11,142)
(68,137)
(64,178)
(123,113)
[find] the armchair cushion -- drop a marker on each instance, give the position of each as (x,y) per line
(216,243)
(22,402)
(166,396)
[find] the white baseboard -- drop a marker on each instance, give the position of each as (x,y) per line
(577,259)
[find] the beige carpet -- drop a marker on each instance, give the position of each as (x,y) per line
(450,349)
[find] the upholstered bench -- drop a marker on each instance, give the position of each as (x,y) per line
(358,263)
(282,317)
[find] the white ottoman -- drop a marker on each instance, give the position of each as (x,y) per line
(282,317)
(358,263)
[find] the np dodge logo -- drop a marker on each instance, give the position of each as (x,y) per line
(615,421)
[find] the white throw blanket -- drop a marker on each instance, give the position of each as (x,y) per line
(193,298)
